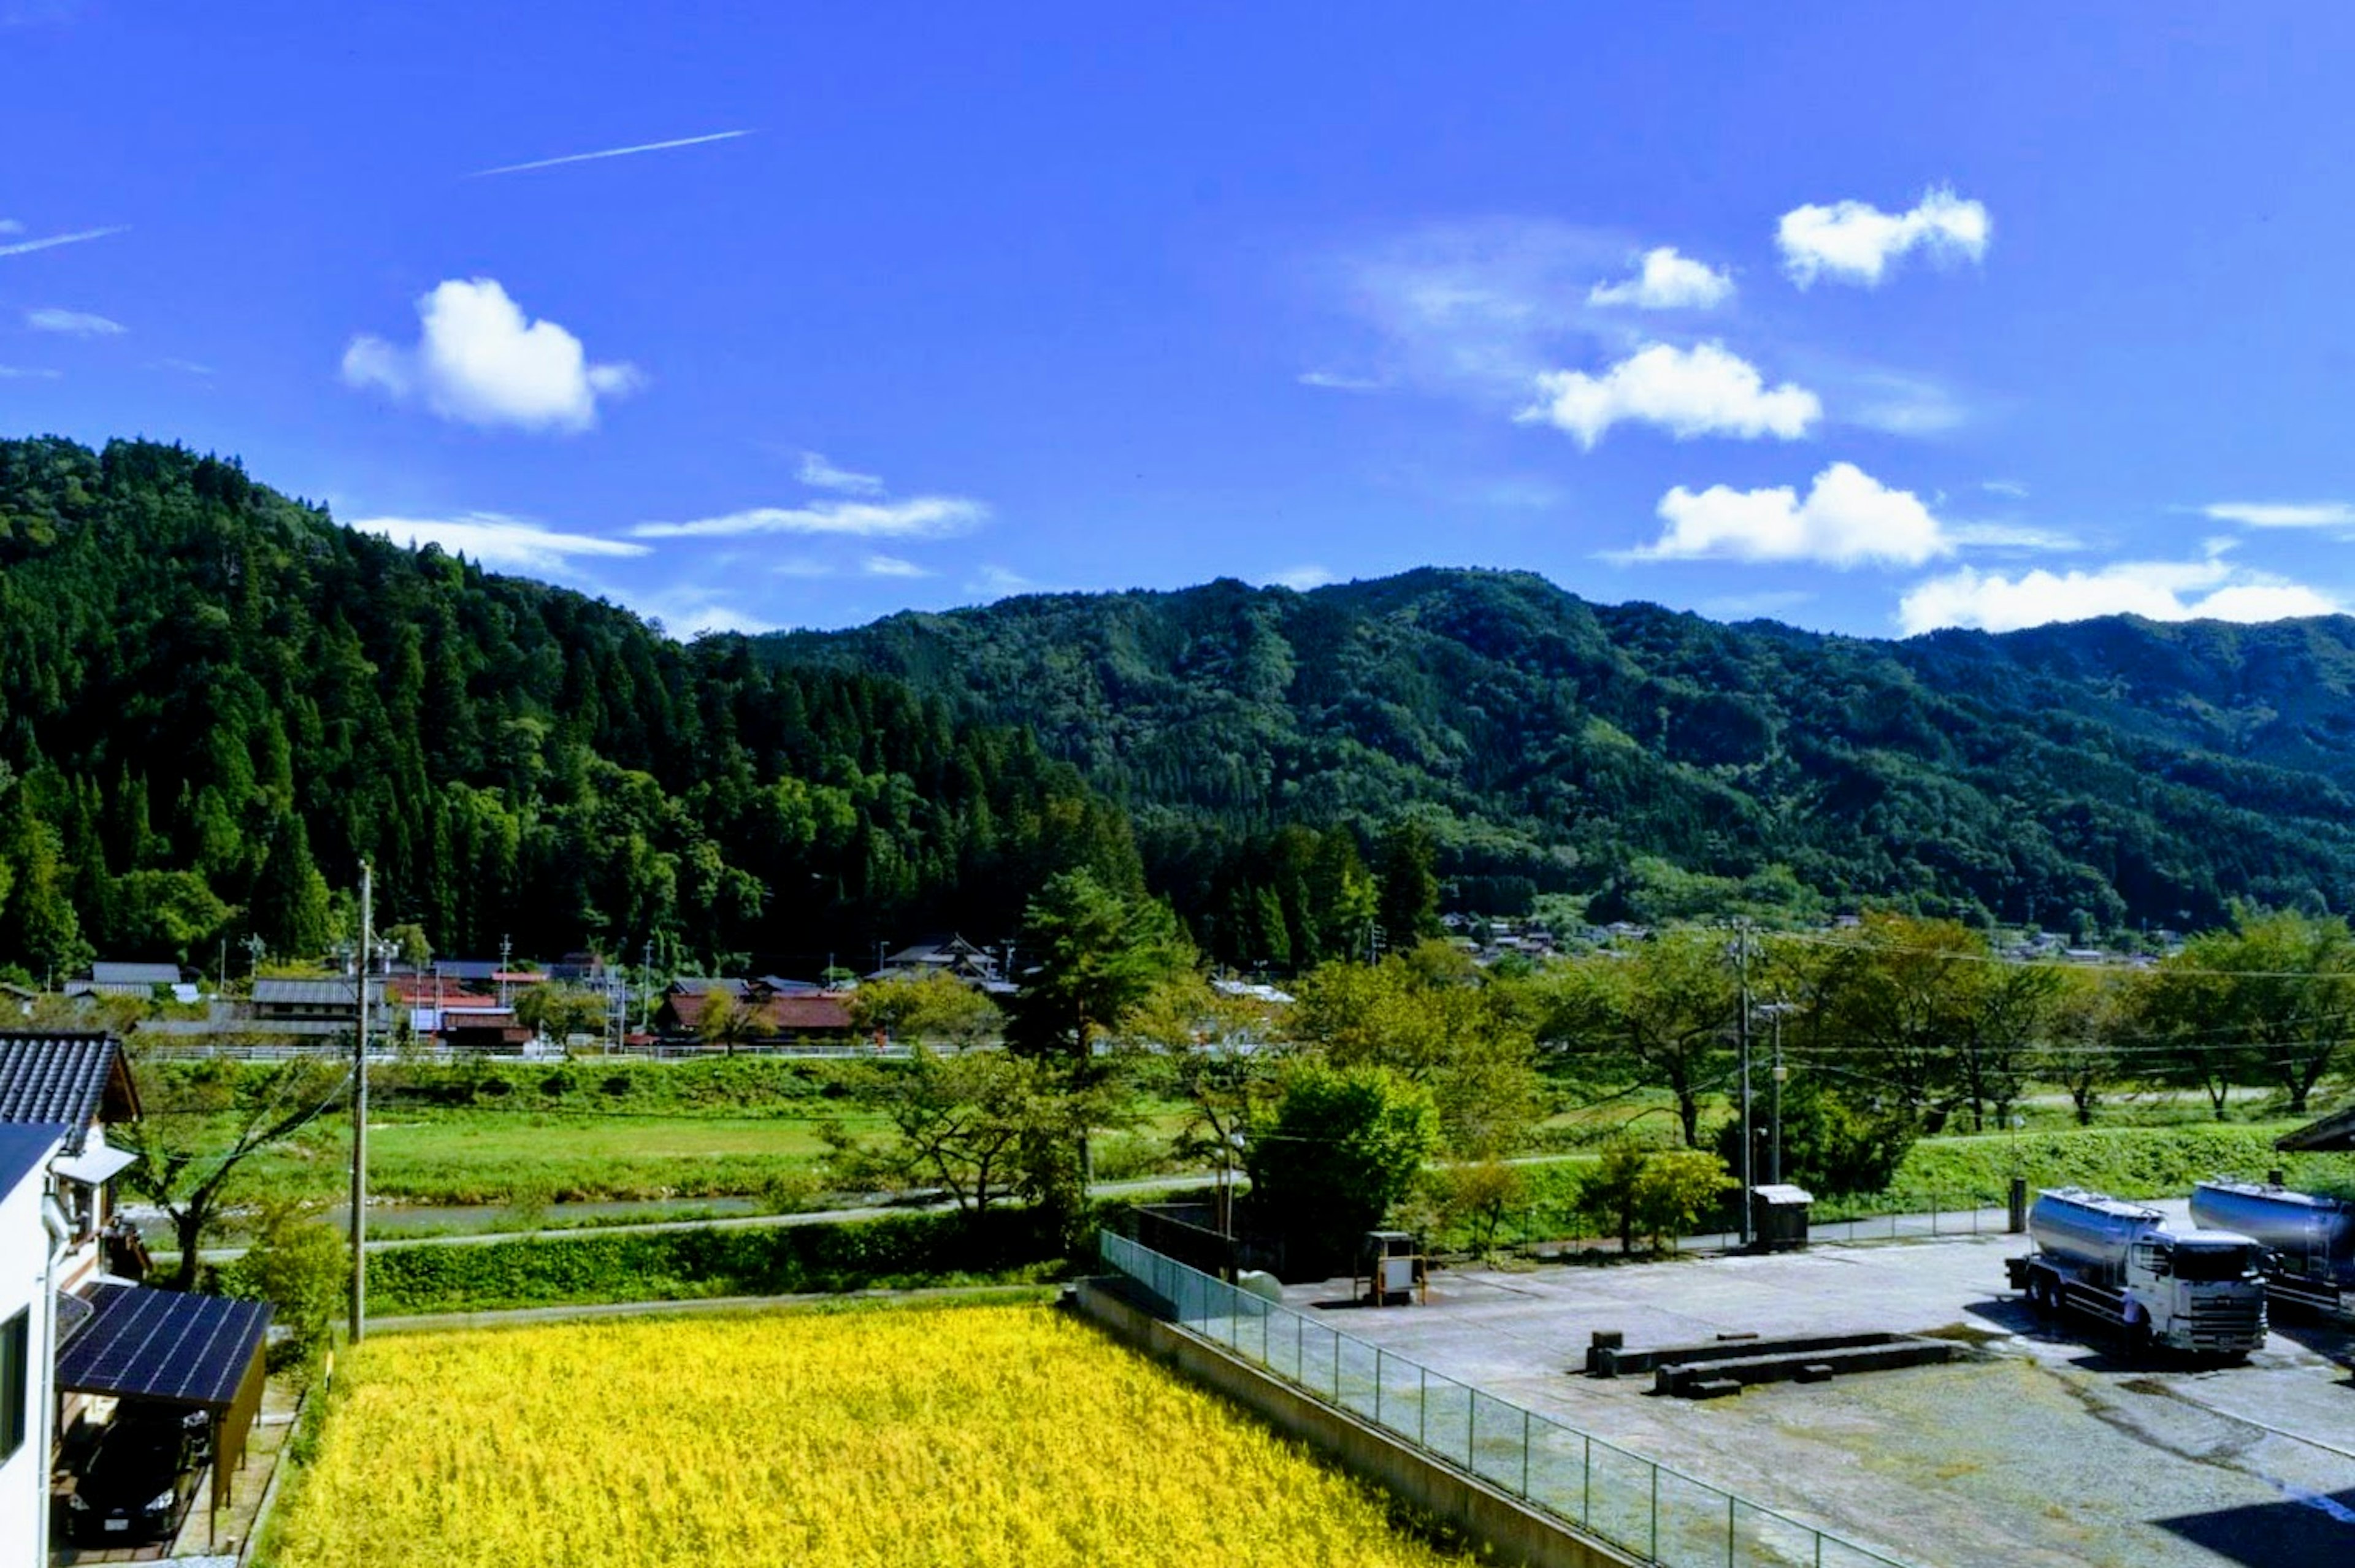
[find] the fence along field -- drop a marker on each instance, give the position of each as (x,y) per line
(985,1435)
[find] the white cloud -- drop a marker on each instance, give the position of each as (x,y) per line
(1702,391)
(1303,577)
(73,324)
(1901,405)
(999,582)
(186,366)
(1667,281)
(892,566)
(2012,536)
(480,361)
(820,475)
(1854,241)
(10,226)
(917,518)
(689,612)
(2281,514)
(1849,518)
(494,539)
(1335,381)
(2157,590)
(27,247)
(28,373)
(2011,488)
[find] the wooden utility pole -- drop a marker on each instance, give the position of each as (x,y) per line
(1742,1027)
(360,1114)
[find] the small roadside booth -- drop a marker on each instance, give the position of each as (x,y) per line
(171,1348)
(1778,1217)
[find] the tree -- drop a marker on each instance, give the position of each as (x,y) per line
(1342,1146)
(1904,1000)
(1662,1014)
(1657,1193)
(301,1266)
(290,896)
(559,1012)
(1833,1144)
(2090,1008)
(961,1122)
(199,1123)
(937,1010)
(1096,953)
(1409,909)
(1431,1016)
(415,948)
(2270,999)
(726,1020)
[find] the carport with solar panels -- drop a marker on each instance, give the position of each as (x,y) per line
(175,1350)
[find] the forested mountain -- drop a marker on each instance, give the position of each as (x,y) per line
(213,702)
(2097,776)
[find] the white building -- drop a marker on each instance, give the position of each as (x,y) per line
(33,1235)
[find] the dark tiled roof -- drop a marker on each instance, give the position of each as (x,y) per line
(2333,1132)
(136,974)
(338,993)
(54,1077)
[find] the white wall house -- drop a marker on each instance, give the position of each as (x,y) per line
(28,1275)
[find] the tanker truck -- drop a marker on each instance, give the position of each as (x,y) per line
(2197,1291)
(2307,1243)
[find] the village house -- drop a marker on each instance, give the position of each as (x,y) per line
(766,1012)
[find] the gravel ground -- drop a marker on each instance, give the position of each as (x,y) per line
(2053,1449)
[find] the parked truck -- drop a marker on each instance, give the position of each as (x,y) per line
(2197,1291)
(2307,1244)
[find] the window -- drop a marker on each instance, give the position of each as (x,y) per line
(16,1345)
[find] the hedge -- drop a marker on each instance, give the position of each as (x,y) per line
(892,1251)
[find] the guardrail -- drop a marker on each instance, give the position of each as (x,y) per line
(1637,1504)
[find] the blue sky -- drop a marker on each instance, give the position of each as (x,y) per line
(1861,317)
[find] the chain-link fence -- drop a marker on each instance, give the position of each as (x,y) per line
(1660,1514)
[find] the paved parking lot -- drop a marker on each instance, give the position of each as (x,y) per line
(2050,1449)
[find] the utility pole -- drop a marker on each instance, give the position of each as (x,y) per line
(507,946)
(647,990)
(1741,1027)
(360,1114)
(1775,1159)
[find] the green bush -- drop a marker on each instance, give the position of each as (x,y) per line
(891,1252)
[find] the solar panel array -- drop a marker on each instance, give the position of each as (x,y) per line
(162,1344)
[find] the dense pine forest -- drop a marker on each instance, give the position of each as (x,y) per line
(214,702)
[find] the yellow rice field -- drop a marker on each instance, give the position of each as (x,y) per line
(966,1435)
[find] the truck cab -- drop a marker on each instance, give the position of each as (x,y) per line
(2200,1291)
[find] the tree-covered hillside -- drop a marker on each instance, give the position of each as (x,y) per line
(2101,774)
(213,702)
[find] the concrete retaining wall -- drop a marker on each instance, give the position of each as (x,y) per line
(1513,1530)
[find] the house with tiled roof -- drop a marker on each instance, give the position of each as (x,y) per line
(771,1015)
(78,1081)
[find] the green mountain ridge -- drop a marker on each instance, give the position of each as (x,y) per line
(2096,774)
(214,702)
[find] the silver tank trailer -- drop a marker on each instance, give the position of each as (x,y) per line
(2316,1234)
(2090,1228)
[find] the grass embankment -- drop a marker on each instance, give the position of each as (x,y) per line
(977,1436)
(893,1251)
(1975,1172)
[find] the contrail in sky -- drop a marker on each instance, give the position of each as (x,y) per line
(22,246)
(608,153)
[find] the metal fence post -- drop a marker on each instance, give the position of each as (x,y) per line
(1728,1529)
(1525,1450)
(1654,1552)
(1378,1385)
(1586,1482)
(1421,1405)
